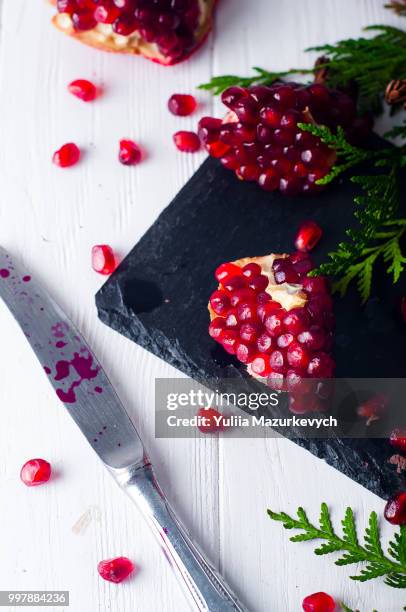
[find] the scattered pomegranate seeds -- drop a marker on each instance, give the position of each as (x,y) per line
(318,602)
(308,236)
(182,104)
(187,142)
(398,439)
(103,259)
(83,89)
(261,141)
(115,570)
(395,509)
(35,472)
(68,155)
(130,153)
(212,422)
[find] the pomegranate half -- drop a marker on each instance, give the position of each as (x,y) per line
(165,31)
(278,321)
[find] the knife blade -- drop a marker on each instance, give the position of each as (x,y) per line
(82,386)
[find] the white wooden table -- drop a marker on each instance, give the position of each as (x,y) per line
(51,218)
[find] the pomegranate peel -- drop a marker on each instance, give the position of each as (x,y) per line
(150,40)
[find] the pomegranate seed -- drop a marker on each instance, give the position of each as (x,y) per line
(231,319)
(297,356)
(317,284)
(35,472)
(260,365)
(83,20)
(229,339)
(318,602)
(216,327)
(398,439)
(308,236)
(233,283)
(68,155)
(187,142)
(264,343)
(373,408)
(395,509)
(103,259)
(246,312)
(130,153)
(83,89)
(321,366)
(115,570)
(182,104)
(232,95)
(210,421)
(259,283)
(220,302)
(251,270)
(274,324)
(242,295)
(249,332)
(244,352)
(277,361)
(225,271)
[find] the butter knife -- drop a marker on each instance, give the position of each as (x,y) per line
(84,389)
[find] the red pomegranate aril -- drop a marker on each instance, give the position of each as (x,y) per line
(217,149)
(260,365)
(277,361)
(106,12)
(259,283)
(232,95)
(231,318)
(285,340)
(187,142)
(248,172)
(269,180)
(290,185)
(297,356)
(216,327)
(210,420)
(232,283)
(68,155)
(321,366)
(115,570)
(301,265)
(319,305)
(297,382)
(129,153)
(274,324)
(246,312)
(308,236)
(103,259)
(66,6)
(319,602)
(125,24)
(251,270)
(209,129)
(246,110)
(395,509)
(373,408)
(35,472)
(220,302)
(229,161)
(276,381)
(285,96)
(398,439)
(265,343)
(242,295)
(313,339)
(182,105)
(228,339)
(249,332)
(263,297)
(83,20)
(296,320)
(315,284)
(83,89)
(226,271)
(287,275)
(244,352)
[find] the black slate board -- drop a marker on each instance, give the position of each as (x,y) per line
(158,295)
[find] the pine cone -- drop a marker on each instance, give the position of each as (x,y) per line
(396,92)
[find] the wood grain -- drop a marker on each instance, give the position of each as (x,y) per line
(51,218)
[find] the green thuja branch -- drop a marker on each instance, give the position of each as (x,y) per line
(391,566)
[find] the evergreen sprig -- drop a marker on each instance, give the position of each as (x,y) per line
(391,566)
(369,63)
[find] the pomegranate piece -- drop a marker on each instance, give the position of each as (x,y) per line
(83,89)
(35,472)
(103,259)
(130,153)
(279,330)
(210,420)
(373,408)
(318,602)
(68,155)
(398,439)
(308,236)
(164,31)
(187,142)
(395,509)
(115,570)
(260,139)
(182,104)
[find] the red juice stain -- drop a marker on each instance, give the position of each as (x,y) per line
(4,273)
(60,344)
(26,279)
(59,329)
(47,370)
(98,390)
(83,367)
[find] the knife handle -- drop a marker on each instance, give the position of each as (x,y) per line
(202,585)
